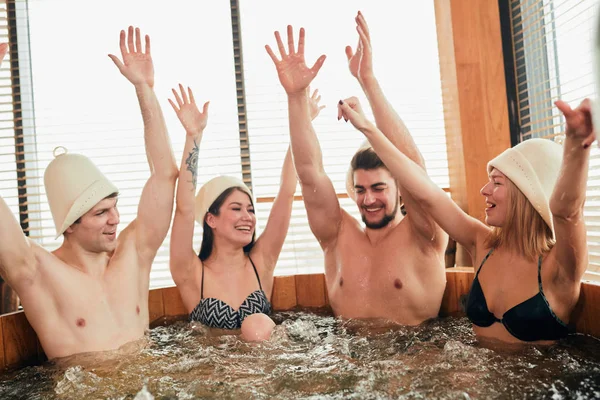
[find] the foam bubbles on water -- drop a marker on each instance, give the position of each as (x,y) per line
(78,380)
(304,331)
(144,394)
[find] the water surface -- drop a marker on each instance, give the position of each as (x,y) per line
(321,357)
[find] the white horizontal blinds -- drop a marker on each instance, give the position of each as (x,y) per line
(553,41)
(408,71)
(8,170)
(84,104)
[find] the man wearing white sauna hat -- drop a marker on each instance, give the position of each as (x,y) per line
(393,268)
(74,185)
(91,294)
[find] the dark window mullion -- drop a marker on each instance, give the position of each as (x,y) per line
(240,92)
(18,116)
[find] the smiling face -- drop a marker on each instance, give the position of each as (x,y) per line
(377,196)
(496,198)
(236,220)
(96,230)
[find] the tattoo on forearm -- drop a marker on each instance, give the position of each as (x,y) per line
(192,163)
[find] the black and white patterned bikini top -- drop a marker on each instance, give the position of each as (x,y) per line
(216,313)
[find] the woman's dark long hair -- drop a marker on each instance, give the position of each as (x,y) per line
(207,233)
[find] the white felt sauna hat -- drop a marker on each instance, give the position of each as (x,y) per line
(533,166)
(74,185)
(212,189)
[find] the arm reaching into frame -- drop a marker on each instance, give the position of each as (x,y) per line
(156,202)
(182,255)
(271,241)
(322,205)
(568,196)
(389,122)
(18,265)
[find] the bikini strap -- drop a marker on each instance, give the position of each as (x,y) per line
(484,260)
(202,284)
(256,272)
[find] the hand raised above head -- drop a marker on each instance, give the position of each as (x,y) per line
(313,104)
(294,74)
(137,64)
(351,110)
(578,121)
(3,51)
(360,62)
(187,111)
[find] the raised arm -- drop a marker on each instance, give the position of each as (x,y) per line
(182,253)
(18,265)
(156,203)
(568,197)
(271,241)
(17,262)
(387,119)
(465,229)
(320,199)
(389,122)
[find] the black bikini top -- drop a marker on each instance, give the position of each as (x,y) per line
(529,321)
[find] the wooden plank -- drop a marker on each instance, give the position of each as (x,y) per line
(284,293)
(310,290)
(2,357)
(586,316)
(19,340)
(156,305)
(172,302)
(458,284)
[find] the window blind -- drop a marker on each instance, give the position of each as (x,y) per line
(553,41)
(8,139)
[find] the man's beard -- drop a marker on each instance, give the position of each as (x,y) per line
(387,218)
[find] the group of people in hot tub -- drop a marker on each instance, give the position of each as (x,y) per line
(91,294)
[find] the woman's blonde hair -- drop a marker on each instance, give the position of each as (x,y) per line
(524,229)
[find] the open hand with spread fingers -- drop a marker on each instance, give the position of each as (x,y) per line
(295,76)
(313,104)
(137,64)
(191,118)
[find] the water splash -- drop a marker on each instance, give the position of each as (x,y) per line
(321,357)
(144,394)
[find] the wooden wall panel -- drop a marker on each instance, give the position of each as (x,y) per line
(474,97)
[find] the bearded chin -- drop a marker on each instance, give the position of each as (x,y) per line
(384,221)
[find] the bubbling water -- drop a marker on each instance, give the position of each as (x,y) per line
(321,357)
